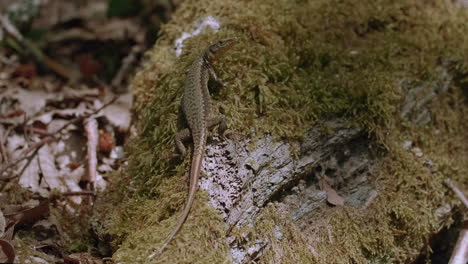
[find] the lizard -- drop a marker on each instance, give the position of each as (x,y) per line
(196,108)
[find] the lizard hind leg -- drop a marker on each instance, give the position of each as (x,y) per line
(181,137)
(221,122)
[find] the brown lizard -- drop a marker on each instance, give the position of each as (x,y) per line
(196,108)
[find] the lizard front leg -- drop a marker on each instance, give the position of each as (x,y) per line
(214,78)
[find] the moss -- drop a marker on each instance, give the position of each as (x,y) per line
(298,63)
(16,193)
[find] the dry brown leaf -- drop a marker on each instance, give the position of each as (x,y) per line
(7,254)
(332,196)
(25,214)
(27,70)
(106,141)
(89,67)
(12,114)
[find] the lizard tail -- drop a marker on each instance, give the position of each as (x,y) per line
(194,175)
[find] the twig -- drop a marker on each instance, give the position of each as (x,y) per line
(91,193)
(3,138)
(93,137)
(126,62)
(457,191)
(10,28)
(3,157)
(35,130)
(460,252)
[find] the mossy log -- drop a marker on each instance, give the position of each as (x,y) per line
(369,95)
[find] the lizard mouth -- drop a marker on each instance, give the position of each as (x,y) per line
(229,42)
(220,47)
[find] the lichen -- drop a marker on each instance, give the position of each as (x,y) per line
(298,63)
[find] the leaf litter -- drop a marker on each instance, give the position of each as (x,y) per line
(62,128)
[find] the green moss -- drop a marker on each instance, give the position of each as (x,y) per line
(16,193)
(298,63)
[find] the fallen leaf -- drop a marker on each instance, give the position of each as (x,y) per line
(39,125)
(41,174)
(27,214)
(118,113)
(29,178)
(106,141)
(50,175)
(30,101)
(71,181)
(7,254)
(72,166)
(27,70)
(332,196)
(12,114)
(88,65)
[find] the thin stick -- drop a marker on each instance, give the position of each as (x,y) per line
(126,62)
(3,137)
(35,130)
(91,193)
(460,252)
(457,191)
(92,134)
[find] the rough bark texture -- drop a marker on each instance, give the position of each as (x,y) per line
(244,177)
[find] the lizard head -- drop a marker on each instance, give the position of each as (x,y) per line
(219,48)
